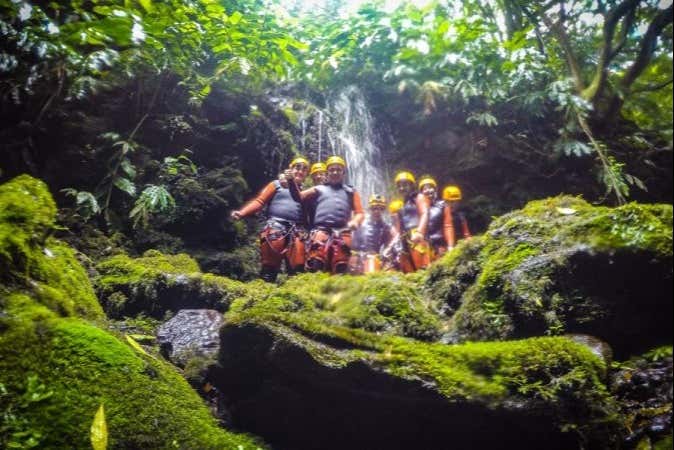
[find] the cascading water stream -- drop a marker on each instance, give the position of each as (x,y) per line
(352,135)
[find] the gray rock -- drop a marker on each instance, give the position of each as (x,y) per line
(191,332)
(596,346)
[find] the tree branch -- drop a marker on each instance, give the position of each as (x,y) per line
(558,30)
(653,87)
(611,20)
(660,21)
(646,51)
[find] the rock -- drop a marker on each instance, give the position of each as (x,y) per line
(643,389)
(596,346)
(291,371)
(58,366)
(538,271)
(191,332)
(157,283)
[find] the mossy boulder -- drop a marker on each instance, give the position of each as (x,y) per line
(53,382)
(57,362)
(303,378)
(33,262)
(558,266)
(155,284)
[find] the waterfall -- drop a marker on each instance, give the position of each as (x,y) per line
(352,136)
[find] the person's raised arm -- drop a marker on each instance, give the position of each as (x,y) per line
(308,194)
(448,227)
(257,203)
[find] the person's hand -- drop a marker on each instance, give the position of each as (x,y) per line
(353,224)
(236,215)
(284,177)
(416,237)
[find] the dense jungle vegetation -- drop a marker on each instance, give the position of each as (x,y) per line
(153,119)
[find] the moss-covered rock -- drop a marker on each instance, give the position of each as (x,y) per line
(57,366)
(53,382)
(643,388)
(561,265)
(33,262)
(302,380)
(156,283)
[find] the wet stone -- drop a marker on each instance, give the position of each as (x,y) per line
(191,332)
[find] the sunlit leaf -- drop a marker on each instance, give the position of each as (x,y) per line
(99,430)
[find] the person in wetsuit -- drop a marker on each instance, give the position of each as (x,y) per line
(371,238)
(440,222)
(411,224)
(337,211)
(282,239)
(452,195)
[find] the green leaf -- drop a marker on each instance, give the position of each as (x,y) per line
(147,5)
(99,430)
(235,18)
(137,346)
(128,168)
(126,185)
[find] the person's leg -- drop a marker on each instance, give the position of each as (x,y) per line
(296,256)
(272,245)
(341,253)
(317,252)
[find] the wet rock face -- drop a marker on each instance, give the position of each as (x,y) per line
(276,389)
(644,392)
(192,332)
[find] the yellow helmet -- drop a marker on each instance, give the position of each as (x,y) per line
(299,160)
(377,200)
(428,180)
(335,160)
(318,167)
(451,193)
(395,206)
(405,176)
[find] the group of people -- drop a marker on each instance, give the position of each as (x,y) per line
(325,228)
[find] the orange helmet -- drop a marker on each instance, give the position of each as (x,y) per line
(405,176)
(451,193)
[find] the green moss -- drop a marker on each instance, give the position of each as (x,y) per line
(122,269)
(510,276)
(554,371)
(53,383)
(664,444)
(384,303)
(35,263)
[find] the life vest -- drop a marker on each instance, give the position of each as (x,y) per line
(436,215)
(333,206)
(283,206)
(408,214)
(371,236)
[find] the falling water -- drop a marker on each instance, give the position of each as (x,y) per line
(352,136)
(320,135)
